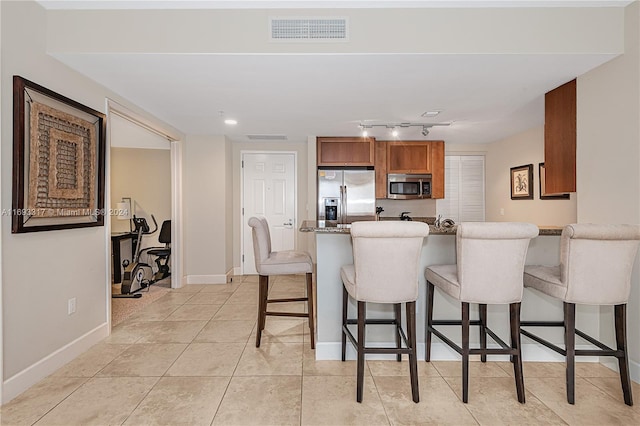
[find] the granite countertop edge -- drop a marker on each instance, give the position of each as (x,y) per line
(313,226)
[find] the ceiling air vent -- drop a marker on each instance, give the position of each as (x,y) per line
(267,137)
(309,29)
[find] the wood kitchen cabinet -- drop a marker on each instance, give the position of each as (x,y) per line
(408,157)
(416,157)
(560,139)
(437,169)
(345,151)
(381,169)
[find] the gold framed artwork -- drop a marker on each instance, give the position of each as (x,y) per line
(58,161)
(522,182)
(543,196)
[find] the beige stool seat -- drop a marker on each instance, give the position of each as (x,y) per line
(596,262)
(386,257)
(286,262)
(490,263)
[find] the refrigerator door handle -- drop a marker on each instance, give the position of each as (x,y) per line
(341,209)
(344,216)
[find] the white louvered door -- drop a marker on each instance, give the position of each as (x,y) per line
(464,197)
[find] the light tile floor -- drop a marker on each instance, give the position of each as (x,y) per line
(190,358)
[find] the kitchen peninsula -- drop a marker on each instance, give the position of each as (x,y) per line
(334,249)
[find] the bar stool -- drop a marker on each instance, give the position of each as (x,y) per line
(595,268)
(286,262)
(490,263)
(386,256)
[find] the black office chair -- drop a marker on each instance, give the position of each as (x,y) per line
(162,253)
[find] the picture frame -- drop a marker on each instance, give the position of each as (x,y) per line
(541,181)
(58,161)
(522,182)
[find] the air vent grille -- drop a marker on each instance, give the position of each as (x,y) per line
(309,29)
(267,137)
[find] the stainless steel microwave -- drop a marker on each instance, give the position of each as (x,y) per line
(406,187)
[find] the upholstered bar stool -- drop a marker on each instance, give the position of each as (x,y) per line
(286,262)
(386,258)
(595,268)
(490,263)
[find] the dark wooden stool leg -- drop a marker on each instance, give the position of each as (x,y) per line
(429,320)
(570,345)
(482,308)
(397,308)
(263,284)
(345,304)
(362,312)
(623,361)
(514,309)
(465,352)
(310,311)
(413,360)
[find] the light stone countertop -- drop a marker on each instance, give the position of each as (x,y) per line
(324,228)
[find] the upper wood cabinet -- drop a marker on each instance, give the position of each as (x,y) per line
(345,151)
(560,139)
(408,157)
(415,157)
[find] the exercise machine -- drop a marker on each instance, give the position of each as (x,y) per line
(137,275)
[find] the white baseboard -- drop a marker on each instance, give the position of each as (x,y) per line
(31,375)
(206,279)
(237,270)
(442,352)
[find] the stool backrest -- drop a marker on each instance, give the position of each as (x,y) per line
(261,240)
(490,260)
(596,262)
(386,257)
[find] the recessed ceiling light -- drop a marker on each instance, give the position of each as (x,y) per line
(230,121)
(431,113)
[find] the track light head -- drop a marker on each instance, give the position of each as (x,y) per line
(425,131)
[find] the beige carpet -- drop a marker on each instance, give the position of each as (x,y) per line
(123,308)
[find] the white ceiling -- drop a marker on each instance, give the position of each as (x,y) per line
(484,97)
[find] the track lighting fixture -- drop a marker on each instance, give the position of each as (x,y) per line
(394,127)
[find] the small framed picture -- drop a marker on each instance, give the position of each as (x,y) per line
(522,182)
(543,196)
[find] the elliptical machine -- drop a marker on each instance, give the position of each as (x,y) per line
(137,275)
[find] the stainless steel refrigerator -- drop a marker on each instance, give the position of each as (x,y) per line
(346,195)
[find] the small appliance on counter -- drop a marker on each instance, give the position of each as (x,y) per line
(346,195)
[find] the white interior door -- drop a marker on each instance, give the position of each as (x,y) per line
(268,189)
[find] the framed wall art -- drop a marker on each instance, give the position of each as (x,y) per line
(58,161)
(522,182)
(543,196)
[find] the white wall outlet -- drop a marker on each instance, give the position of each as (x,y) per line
(501,212)
(71,306)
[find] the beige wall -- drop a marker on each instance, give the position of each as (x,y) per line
(608,148)
(304,207)
(42,270)
(206,220)
(144,175)
(523,148)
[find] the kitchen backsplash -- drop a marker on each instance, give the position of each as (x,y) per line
(417,208)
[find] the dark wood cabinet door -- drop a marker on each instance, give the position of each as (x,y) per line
(345,151)
(408,157)
(560,139)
